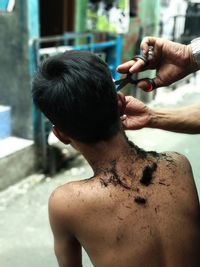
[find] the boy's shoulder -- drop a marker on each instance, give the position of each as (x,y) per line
(178,169)
(65,192)
(182,180)
(70,197)
(175,161)
(65,204)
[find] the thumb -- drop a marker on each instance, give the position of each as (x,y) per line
(146,86)
(121,103)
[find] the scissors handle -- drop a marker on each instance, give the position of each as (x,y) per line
(151,84)
(122,82)
(145,60)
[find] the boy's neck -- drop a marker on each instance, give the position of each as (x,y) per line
(101,155)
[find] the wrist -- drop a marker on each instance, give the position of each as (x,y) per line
(153,118)
(160,118)
(192,62)
(194,54)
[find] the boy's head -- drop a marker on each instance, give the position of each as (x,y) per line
(76,92)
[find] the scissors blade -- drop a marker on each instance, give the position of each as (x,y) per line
(118,81)
(123,83)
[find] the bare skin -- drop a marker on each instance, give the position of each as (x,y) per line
(139,209)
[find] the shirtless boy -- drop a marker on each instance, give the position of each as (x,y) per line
(140,208)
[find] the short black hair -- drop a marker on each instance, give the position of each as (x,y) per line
(76,92)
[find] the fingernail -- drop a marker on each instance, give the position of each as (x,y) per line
(123,117)
(132,69)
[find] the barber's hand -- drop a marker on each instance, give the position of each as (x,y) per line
(135,114)
(172,61)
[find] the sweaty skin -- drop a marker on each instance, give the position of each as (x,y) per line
(123,219)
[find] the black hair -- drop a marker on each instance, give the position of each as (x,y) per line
(76,92)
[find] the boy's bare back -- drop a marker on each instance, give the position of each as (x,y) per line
(142,211)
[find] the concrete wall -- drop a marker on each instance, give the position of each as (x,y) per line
(14,68)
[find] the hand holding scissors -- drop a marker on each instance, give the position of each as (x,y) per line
(128,79)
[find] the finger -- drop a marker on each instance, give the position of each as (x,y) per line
(138,66)
(146,42)
(124,123)
(147,87)
(124,68)
(127,125)
(121,103)
(129,98)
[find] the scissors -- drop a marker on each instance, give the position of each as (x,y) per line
(128,79)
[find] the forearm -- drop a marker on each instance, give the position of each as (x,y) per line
(181,120)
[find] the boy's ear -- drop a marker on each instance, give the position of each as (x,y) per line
(62,137)
(121,103)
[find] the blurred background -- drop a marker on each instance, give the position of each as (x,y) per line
(32,161)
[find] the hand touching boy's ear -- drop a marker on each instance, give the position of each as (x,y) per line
(134,114)
(121,103)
